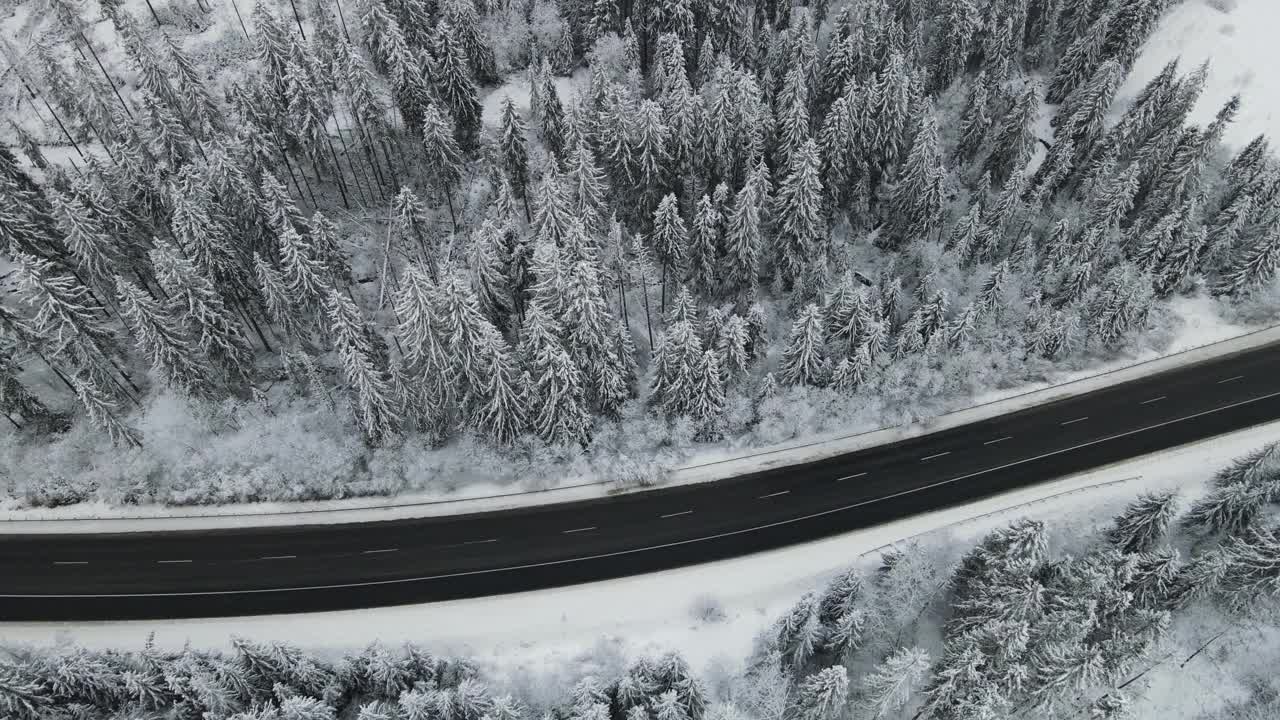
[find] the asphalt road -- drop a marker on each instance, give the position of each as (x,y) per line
(330,567)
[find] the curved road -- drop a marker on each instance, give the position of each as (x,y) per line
(330,567)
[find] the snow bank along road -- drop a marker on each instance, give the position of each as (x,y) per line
(327,567)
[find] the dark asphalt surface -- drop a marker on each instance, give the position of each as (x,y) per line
(329,567)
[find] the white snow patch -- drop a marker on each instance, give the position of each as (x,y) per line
(516,87)
(1238,40)
(657,611)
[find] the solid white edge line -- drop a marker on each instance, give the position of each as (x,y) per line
(850,477)
(661,546)
(931,457)
(578,530)
(998,440)
(1231,379)
(1153,400)
(671,515)
(765,497)
(1073,422)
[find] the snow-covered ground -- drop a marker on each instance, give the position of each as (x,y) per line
(656,611)
(1237,37)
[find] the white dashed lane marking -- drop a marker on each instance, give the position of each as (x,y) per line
(70,562)
(379,552)
(172,562)
(782,492)
(1231,379)
(850,477)
(671,515)
(1073,422)
(998,440)
(1153,400)
(931,457)
(578,530)
(277,557)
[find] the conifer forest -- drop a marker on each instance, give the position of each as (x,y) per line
(362,247)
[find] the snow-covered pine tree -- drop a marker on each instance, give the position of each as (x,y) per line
(587,188)
(1015,139)
(441,156)
(455,86)
(704,261)
(304,273)
(281,307)
(976,119)
(960,24)
(1231,509)
(915,207)
(649,149)
(463,17)
(799,216)
(96,253)
(193,296)
(792,116)
(1144,522)
(162,341)
(559,413)
(670,239)
(1080,60)
(803,360)
(372,401)
(744,236)
(823,695)
(550,114)
(590,339)
(1253,265)
(889,687)
(677,361)
(708,397)
(102,412)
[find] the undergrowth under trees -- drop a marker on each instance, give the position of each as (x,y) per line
(747,208)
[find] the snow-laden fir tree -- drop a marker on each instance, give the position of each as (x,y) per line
(513,147)
(281,305)
(1144,522)
(1079,61)
(823,695)
(102,412)
(193,297)
(559,413)
(744,238)
(1231,509)
(1014,140)
(587,188)
(889,688)
(372,402)
(167,348)
(799,218)
(708,397)
(440,156)
(915,208)
(803,360)
(677,361)
(670,238)
(590,339)
(704,247)
(95,252)
(304,273)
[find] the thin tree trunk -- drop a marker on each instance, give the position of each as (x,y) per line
(243,29)
(154,16)
(15,424)
(448,198)
(337,169)
(110,82)
(298,19)
(346,151)
(644,290)
(342,18)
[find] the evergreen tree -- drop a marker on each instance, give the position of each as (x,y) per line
(66,312)
(744,236)
(793,117)
(798,216)
(102,413)
(1015,140)
(551,113)
(803,361)
(670,238)
(649,148)
(304,273)
(95,252)
(704,247)
(560,415)
(916,204)
(708,397)
(217,335)
(455,86)
(590,339)
(1254,265)
(976,120)
(1144,522)
(677,361)
(1080,60)
(281,307)
(889,688)
(165,345)
(441,156)
(587,188)
(372,401)
(427,358)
